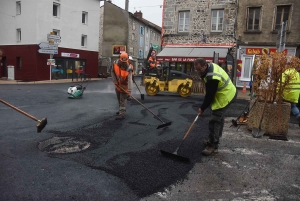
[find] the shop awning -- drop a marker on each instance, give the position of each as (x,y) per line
(189,54)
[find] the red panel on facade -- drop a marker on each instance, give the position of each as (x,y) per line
(186,59)
(34,66)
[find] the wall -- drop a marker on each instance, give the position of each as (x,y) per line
(37,20)
(267,36)
(200,22)
(115,29)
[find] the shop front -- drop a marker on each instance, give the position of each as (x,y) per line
(182,58)
(245,61)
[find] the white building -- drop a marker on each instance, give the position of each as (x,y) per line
(26,23)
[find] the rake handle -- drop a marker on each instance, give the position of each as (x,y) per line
(15,108)
(141,104)
(188,132)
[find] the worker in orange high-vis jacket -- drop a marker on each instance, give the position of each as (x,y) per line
(122,76)
(152,60)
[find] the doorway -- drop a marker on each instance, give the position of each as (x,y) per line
(3,67)
(69,68)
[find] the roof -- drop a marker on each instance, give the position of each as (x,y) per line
(150,24)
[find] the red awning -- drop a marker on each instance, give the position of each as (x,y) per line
(188,54)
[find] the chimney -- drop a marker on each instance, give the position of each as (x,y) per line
(126,4)
(138,14)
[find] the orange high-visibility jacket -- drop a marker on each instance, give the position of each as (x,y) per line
(153,63)
(122,77)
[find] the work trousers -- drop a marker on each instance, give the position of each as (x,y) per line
(122,100)
(294,108)
(216,124)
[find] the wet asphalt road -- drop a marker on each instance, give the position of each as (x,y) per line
(123,161)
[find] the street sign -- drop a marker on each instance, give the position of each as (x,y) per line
(45,51)
(48,46)
(55,37)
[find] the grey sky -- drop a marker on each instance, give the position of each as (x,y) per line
(150,8)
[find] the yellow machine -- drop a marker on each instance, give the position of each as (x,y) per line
(168,80)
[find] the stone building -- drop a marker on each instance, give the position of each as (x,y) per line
(198,28)
(257,30)
(120,31)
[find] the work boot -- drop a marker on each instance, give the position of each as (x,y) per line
(117,113)
(121,115)
(209,149)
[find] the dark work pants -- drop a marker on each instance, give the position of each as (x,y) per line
(216,123)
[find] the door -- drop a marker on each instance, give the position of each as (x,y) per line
(3,67)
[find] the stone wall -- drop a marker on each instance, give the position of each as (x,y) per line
(200,22)
(266,35)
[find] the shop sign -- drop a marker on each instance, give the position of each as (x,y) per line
(118,49)
(260,51)
(185,59)
(73,55)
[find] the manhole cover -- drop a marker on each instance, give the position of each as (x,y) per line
(63,145)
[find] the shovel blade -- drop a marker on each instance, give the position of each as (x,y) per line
(257,133)
(164,125)
(142,96)
(175,156)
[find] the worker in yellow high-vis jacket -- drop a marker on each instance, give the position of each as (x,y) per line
(291,91)
(220,92)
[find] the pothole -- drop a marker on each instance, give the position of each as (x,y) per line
(61,145)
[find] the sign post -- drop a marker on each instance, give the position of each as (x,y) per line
(51,47)
(281,37)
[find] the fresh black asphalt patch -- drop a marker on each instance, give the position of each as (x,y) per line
(145,171)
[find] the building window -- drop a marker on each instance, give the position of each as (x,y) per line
(282,15)
(141,41)
(84,17)
(132,36)
(253,19)
(83,40)
(19,35)
(184,21)
(56,9)
(141,56)
(142,30)
(18,4)
(56,32)
(19,62)
(217,17)
(247,68)
(133,25)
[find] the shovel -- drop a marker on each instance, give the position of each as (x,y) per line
(142,95)
(174,154)
(41,123)
(257,132)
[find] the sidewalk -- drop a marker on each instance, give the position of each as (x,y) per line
(2,81)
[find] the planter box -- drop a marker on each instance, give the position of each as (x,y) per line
(271,118)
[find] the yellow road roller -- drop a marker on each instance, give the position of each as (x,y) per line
(168,80)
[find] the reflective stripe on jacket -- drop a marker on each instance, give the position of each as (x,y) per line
(122,77)
(226,90)
(152,62)
(291,91)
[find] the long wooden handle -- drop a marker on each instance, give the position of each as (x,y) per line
(141,104)
(187,133)
(15,108)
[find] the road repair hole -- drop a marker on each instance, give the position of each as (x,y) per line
(63,145)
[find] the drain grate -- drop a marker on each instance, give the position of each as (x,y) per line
(62,145)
